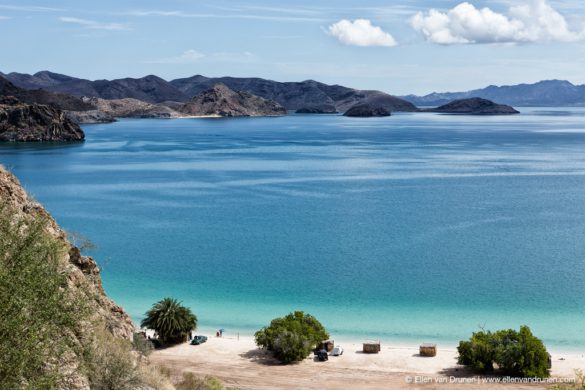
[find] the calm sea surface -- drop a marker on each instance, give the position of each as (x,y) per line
(417,227)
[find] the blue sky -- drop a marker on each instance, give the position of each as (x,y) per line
(399,46)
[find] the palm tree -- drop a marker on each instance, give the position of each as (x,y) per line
(171,320)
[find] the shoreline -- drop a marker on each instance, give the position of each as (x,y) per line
(392,342)
(241,364)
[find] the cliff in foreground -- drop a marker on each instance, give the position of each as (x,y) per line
(55,318)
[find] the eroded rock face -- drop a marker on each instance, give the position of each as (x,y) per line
(366,111)
(224,102)
(21,122)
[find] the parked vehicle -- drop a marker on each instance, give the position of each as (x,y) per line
(198,340)
(337,351)
(322,355)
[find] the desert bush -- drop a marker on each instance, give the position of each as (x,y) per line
(192,382)
(516,353)
(38,315)
(293,337)
(141,345)
(110,363)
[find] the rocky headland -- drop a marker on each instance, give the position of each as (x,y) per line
(22,122)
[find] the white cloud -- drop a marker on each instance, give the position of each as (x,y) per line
(91,24)
(360,32)
(533,22)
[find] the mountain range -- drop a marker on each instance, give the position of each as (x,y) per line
(543,93)
(153,89)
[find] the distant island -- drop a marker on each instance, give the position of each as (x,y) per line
(474,106)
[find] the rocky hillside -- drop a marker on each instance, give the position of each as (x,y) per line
(131,108)
(150,89)
(21,122)
(41,96)
(222,101)
(82,282)
(474,106)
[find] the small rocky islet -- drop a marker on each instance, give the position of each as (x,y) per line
(474,106)
(367,111)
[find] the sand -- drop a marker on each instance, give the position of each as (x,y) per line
(238,363)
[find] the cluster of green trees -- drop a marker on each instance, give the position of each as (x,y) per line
(516,353)
(293,337)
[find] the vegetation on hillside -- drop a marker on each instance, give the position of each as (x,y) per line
(516,353)
(293,337)
(36,311)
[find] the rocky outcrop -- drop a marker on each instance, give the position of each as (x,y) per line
(83,279)
(21,122)
(318,109)
(366,111)
(474,106)
(222,101)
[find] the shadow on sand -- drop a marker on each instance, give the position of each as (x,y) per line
(260,356)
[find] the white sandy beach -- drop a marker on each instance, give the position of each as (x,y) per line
(240,364)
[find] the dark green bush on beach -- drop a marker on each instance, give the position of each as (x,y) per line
(171,320)
(293,337)
(516,353)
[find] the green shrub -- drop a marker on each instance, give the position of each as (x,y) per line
(110,363)
(171,320)
(141,345)
(293,337)
(38,314)
(517,353)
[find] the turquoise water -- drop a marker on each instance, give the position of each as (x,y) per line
(417,227)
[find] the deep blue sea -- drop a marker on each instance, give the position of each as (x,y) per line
(412,228)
